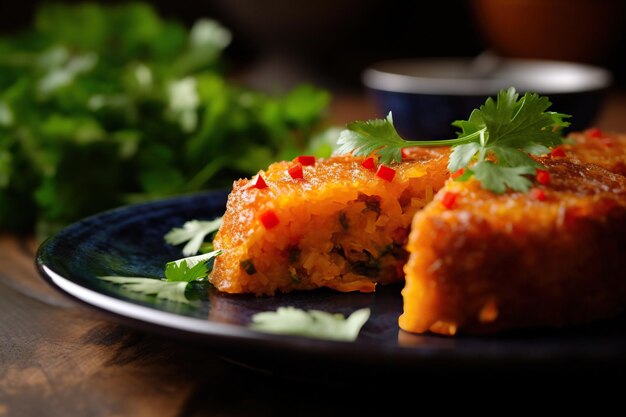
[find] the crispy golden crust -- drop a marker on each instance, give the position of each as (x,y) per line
(340,226)
(593,146)
(499,262)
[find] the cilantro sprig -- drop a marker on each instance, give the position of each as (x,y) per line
(312,323)
(193,233)
(178,275)
(493,145)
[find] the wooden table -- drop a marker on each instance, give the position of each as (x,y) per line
(61,358)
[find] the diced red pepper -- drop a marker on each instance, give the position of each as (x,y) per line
(269,219)
(457,174)
(306,160)
(449,199)
(296,172)
(385,173)
(557,153)
(538,194)
(543,176)
(595,133)
(404,154)
(259,183)
(369,164)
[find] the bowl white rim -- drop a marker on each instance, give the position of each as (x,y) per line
(388,76)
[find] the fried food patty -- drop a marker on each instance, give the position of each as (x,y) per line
(594,146)
(341,226)
(549,257)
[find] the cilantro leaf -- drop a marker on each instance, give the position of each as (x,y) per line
(311,323)
(178,275)
(173,291)
(462,155)
(493,143)
(89,127)
(514,122)
(182,272)
(497,178)
(193,232)
(378,136)
(192,261)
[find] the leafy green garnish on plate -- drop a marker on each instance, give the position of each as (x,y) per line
(178,275)
(311,323)
(194,232)
(493,145)
(166,290)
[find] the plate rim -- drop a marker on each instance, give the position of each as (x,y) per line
(221,333)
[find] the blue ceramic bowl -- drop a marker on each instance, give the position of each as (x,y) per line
(427,95)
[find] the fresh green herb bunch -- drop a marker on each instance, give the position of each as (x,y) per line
(102,106)
(493,145)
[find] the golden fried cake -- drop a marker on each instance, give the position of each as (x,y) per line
(339,223)
(481,262)
(595,146)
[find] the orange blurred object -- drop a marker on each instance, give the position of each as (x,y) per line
(569,30)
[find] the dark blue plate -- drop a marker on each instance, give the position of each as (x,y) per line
(129,241)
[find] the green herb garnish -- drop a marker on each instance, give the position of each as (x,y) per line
(492,146)
(178,275)
(311,323)
(193,232)
(105,105)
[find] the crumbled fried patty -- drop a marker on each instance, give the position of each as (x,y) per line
(494,262)
(341,226)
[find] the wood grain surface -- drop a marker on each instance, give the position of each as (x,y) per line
(62,358)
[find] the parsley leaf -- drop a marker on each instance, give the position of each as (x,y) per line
(496,139)
(311,323)
(193,232)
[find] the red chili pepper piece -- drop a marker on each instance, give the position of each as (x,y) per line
(557,153)
(306,160)
(538,194)
(259,183)
(369,164)
(457,174)
(385,173)
(449,199)
(595,133)
(543,176)
(296,172)
(269,219)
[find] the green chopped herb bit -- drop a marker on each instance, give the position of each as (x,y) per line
(311,323)
(343,221)
(296,278)
(493,145)
(248,266)
(293,254)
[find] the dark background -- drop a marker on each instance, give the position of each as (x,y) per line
(278,43)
